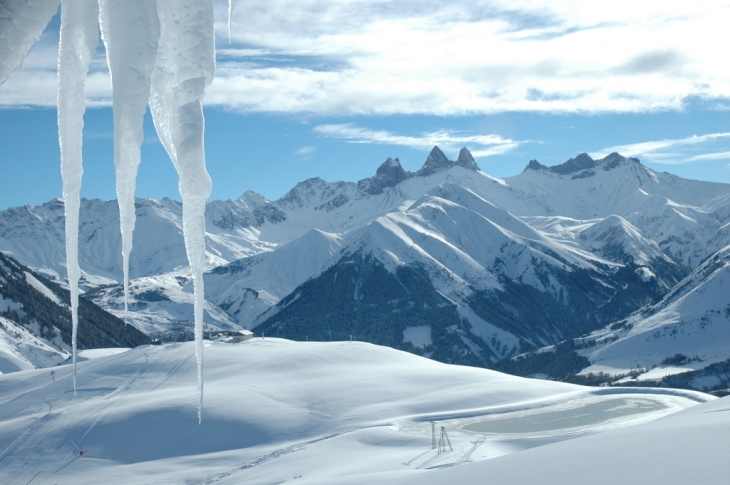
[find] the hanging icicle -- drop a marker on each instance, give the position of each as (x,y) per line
(21,25)
(78,40)
(185,67)
(159,51)
(130,30)
(230,16)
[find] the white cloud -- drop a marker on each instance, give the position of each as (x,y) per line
(452,58)
(305,150)
(479,145)
(467,57)
(673,152)
(711,156)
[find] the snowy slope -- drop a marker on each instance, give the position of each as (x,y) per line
(247,288)
(35,236)
(161,306)
(614,239)
(270,417)
(686,447)
(490,265)
(21,350)
(35,321)
(693,319)
(679,215)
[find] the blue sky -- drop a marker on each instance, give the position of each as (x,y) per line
(317,88)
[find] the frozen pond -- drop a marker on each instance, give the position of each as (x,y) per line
(589,414)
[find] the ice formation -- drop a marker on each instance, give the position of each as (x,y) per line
(130,30)
(21,25)
(230,15)
(161,51)
(185,67)
(78,40)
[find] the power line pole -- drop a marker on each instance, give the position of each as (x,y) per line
(443,441)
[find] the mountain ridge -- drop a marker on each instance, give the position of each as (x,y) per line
(479,241)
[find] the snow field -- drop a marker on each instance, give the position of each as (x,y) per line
(336,412)
(689,446)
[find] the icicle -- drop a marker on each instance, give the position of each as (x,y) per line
(185,67)
(130,30)
(78,40)
(21,25)
(230,16)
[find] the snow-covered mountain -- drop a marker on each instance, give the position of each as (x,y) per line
(683,340)
(693,320)
(484,267)
(35,321)
(549,254)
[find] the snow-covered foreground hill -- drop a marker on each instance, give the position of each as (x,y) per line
(687,447)
(278,411)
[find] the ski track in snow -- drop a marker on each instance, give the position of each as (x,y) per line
(267,458)
(155,373)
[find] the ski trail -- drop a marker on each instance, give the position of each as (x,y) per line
(21,457)
(266,458)
(428,462)
(23,438)
(408,463)
(67,464)
(85,372)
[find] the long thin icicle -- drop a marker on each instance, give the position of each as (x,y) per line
(230,16)
(131,31)
(78,40)
(185,67)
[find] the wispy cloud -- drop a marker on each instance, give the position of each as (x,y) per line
(307,150)
(480,145)
(674,151)
(711,156)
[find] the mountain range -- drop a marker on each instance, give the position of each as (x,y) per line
(446,262)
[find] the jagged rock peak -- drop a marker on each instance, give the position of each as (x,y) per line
(253,199)
(581,162)
(389,174)
(535,165)
(614,159)
(435,162)
(466,160)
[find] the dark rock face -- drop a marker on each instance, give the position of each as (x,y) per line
(535,165)
(435,162)
(230,217)
(614,160)
(333,204)
(581,162)
(466,160)
(389,174)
